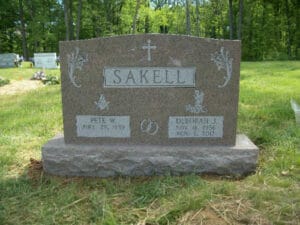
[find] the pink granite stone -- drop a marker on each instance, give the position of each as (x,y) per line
(150,89)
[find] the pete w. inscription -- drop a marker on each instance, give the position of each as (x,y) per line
(103,126)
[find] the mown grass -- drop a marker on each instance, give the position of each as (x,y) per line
(15,74)
(270,196)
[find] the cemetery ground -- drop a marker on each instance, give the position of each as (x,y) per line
(269,196)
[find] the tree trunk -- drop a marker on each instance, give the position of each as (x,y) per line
(147,24)
(188,17)
(241,6)
(177,17)
(289,41)
(297,37)
(198,18)
(230,20)
(66,13)
(137,7)
(71,20)
(250,38)
(11,41)
(23,31)
(78,19)
(32,15)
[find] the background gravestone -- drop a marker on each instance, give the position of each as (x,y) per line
(45,60)
(9,60)
(150,104)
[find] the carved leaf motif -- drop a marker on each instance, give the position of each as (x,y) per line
(223,62)
(75,61)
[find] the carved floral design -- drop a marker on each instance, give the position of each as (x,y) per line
(223,61)
(198,107)
(75,61)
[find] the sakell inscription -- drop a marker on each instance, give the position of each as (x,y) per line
(149,76)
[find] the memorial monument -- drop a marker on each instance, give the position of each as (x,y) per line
(149,105)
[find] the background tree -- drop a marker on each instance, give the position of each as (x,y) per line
(78,22)
(9,38)
(269,29)
(188,17)
(23,30)
(137,7)
(240,21)
(67,18)
(230,20)
(297,36)
(198,18)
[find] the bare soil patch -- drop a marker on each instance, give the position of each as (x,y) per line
(21,86)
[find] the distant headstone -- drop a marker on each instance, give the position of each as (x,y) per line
(9,60)
(150,104)
(45,60)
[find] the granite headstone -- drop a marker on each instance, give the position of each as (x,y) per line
(45,60)
(9,60)
(150,104)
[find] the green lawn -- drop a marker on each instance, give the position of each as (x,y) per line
(15,74)
(270,196)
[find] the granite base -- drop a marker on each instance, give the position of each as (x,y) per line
(145,160)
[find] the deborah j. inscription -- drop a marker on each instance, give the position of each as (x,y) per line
(149,77)
(196,126)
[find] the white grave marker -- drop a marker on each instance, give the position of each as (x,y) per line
(8,59)
(45,60)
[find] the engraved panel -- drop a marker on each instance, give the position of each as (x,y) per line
(103,126)
(195,126)
(135,77)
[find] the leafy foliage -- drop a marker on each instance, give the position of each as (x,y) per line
(269,29)
(3,81)
(50,80)
(46,79)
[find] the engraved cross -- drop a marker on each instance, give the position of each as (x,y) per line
(149,47)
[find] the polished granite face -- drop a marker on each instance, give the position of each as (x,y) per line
(150,89)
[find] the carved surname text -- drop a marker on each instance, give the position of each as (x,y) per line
(149,77)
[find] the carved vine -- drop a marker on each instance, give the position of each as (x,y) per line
(223,61)
(75,61)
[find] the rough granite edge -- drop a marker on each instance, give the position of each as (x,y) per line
(146,160)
